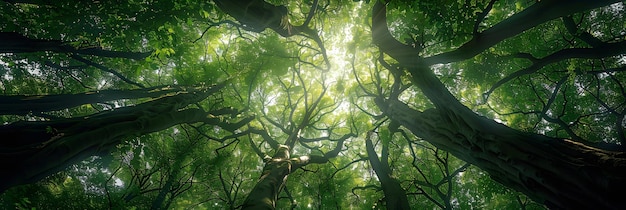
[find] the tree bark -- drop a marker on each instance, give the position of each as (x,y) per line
(557,172)
(273,178)
(560,173)
(23,104)
(33,150)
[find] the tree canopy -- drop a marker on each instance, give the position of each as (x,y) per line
(275,104)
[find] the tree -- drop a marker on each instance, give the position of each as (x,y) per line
(533,164)
(301,110)
(340,104)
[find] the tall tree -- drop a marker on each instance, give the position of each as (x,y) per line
(558,172)
(302,110)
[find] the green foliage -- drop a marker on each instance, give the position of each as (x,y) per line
(282,83)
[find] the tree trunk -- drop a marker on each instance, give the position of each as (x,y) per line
(557,172)
(32,150)
(395,195)
(22,104)
(172,177)
(273,178)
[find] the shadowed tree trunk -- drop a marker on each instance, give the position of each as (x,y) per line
(560,173)
(395,195)
(36,149)
(272,180)
(23,104)
(276,171)
(277,168)
(557,172)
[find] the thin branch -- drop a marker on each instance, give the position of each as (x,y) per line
(348,165)
(104,68)
(213,24)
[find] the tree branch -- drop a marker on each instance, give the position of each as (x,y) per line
(22,104)
(586,37)
(538,13)
(606,50)
(104,68)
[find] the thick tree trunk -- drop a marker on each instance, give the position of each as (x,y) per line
(557,172)
(265,193)
(32,150)
(16,43)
